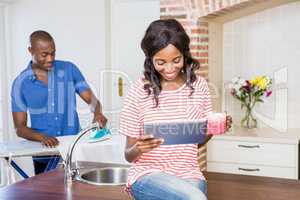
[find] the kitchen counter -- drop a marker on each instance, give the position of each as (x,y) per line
(270,135)
(50,185)
(221,186)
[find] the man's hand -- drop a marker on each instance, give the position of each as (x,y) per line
(95,106)
(20,122)
(49,141)
(101,119)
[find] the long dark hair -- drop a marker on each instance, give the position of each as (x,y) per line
(160,34)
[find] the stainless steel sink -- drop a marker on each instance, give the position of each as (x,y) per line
(110,176)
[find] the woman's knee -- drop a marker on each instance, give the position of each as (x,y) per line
(161,186)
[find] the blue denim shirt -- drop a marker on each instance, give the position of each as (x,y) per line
(52,107)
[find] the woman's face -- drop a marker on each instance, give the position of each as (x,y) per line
(168,62)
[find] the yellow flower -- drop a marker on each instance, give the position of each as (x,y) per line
(263,83)
(255,80)
(260,81)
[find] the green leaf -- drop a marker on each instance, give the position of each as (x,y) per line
(259,100)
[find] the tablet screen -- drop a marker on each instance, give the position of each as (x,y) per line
(178,132)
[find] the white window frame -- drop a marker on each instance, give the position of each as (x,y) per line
(4,98)
(2,66)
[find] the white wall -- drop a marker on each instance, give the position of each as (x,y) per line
(78,28)
(2,82)
(2,55)
(261,44)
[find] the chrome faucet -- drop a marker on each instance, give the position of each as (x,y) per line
(71,173)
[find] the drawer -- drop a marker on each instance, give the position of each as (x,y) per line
(255,170)
(270,154)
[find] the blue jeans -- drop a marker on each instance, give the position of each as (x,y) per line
(44,163)
(160,185)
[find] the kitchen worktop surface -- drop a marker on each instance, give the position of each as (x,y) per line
(221,186)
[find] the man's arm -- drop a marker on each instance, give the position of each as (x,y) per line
(89,97)
(20,122)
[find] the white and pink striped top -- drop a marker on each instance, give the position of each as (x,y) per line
(175,105)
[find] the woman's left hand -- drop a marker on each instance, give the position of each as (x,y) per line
(228,122)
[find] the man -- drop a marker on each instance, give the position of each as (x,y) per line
(47,90)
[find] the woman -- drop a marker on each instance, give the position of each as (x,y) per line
(168,91)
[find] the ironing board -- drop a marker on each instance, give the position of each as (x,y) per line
(21,148)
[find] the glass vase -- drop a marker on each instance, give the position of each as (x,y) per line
(248,121)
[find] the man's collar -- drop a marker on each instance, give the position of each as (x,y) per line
(31,75)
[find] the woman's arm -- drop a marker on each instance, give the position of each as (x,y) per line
(207,138)
(228,126)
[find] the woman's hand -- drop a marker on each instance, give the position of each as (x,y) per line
(146,143)
(228,122)
(135,147)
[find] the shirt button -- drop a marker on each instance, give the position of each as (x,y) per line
(56,118)
(52,104)
(58,132)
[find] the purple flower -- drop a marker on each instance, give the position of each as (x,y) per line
(232,91)
(247,86)
(268,93)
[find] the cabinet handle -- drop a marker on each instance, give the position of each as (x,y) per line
(248,146)
(120,87)
(249,170)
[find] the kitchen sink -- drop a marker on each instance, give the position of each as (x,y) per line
(108,176)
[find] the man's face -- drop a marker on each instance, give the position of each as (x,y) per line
(43,54)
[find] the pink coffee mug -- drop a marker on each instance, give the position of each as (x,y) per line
(216,123)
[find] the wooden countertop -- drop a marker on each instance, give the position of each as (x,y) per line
(241,187)
(50,185)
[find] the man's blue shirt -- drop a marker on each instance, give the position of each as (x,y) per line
(52,107)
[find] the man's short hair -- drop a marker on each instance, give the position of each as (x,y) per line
(40,35)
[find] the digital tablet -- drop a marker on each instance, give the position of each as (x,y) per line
(178,132)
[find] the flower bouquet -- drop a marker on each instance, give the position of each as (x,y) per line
(249,92)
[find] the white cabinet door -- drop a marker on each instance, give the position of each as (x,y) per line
(129,20)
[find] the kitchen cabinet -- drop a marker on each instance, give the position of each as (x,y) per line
(259,152)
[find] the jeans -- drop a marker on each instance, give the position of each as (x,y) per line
(44,163)
(160,185)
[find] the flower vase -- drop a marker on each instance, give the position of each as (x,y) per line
(248,120)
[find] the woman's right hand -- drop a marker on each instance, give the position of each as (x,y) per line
(135,147)
(146,143)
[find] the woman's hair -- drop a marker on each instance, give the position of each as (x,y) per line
(159,35)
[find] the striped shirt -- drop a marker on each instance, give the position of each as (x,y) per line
(175,105)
